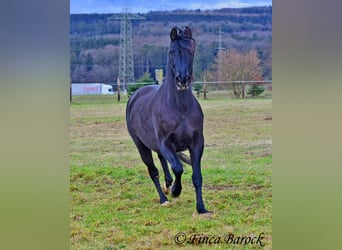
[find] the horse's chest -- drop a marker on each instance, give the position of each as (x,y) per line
(184,129)
(179,130)
(182,134)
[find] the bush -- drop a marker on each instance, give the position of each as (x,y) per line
(145,78)
(133,87)
(255,90)
(198,88)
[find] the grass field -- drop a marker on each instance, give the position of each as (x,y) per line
(114,204)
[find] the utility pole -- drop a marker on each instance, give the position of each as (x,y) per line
(118,89)
(70,91)
(126,64)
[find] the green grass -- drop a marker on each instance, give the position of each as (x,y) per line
(114,204)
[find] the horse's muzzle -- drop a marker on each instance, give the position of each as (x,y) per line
(183,83)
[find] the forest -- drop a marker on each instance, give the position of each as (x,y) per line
(95,41)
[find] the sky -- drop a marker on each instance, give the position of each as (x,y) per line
(143,6)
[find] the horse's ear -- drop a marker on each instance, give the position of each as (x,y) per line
(187,32)
(173,34)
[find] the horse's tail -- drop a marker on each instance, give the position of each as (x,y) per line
(184,158)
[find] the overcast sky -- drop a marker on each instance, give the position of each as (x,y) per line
(143,6)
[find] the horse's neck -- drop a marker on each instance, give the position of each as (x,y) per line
(182,100)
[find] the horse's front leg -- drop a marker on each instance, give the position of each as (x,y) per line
(167,175)
(196,155)
(168,152)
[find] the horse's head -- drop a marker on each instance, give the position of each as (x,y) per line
(181,55)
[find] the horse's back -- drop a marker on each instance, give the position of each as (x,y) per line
(146,90)
(141,97)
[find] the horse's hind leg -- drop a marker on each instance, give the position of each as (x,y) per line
(146,156)
(167,175)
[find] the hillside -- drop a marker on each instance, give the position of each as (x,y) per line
(94,41)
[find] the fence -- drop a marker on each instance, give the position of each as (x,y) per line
(204,90)
(237,88)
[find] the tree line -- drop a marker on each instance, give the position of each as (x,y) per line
(94,41)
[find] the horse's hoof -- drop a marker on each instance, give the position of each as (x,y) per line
(166,204)
(206,215)
(166,190)
(175,195)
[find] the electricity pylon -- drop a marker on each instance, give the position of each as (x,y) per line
(220,32)
(126,64)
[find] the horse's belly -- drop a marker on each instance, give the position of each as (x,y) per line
(181,146)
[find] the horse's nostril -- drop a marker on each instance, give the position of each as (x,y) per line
(183,80)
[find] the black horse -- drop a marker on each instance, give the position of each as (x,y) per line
(168,120)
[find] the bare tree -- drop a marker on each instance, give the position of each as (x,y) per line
(231,65)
